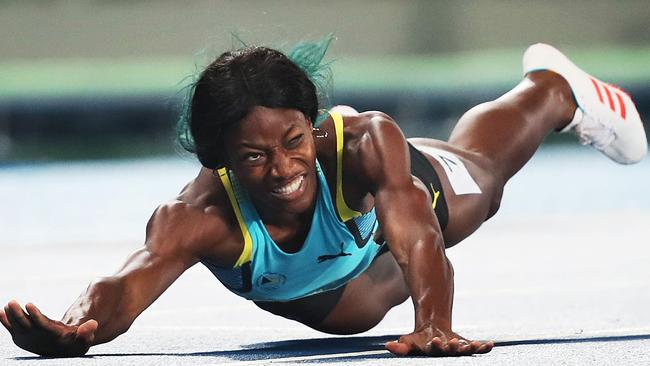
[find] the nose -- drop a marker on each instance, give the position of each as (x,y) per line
(281,164)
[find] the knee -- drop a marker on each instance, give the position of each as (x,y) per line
(351,322)
(495,201)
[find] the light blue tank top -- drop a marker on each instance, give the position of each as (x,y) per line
(339,246)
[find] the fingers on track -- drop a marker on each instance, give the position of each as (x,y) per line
(37,317)
(398,348)
(18,319)
(485,347)
(457,347)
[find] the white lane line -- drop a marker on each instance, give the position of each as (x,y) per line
(299,358)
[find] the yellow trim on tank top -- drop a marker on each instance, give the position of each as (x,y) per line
(344,211)
(247,252)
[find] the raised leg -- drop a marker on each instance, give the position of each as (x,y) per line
(507,131)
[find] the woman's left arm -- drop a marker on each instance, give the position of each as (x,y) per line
(415,239)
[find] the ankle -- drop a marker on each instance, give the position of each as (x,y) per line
(559,93)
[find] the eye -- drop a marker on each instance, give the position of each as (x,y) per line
(252,157)
(295,141)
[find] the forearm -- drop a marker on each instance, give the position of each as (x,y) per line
(115,301)
(410,226)
(430,278)
(417,244)
(103,301)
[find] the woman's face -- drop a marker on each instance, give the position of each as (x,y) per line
(272,153)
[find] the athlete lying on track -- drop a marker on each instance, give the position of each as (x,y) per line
(333,226)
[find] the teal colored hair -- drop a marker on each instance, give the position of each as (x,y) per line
(308,56)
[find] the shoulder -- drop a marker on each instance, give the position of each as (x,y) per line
(362,132)
(377,146)
(198,223)
(369,129)
(379,130)
(367,122)
(373,146)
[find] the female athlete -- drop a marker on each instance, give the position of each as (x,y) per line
(333,225)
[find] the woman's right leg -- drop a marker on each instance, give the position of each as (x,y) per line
(507,131)
(367,298)
(495,140)
(499,137)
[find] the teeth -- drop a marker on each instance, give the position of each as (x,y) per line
(291,187)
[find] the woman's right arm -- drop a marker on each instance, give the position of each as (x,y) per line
(175,235)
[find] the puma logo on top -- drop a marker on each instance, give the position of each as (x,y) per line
(327,257)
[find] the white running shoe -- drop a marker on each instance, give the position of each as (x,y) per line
(606,117)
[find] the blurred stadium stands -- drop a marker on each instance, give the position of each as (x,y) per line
(102,79)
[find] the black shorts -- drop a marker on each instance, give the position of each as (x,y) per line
(312,310)
(422,169)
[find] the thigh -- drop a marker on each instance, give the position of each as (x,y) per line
(509,129)
(353,308)
(367,298)
(466,211)
(310,310)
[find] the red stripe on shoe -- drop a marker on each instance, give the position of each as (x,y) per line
(622,104)
(600,95)
(609,98)
(619,89)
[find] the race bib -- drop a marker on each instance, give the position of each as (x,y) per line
(459,178)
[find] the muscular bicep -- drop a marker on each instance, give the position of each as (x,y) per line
(177,236)
(172,246)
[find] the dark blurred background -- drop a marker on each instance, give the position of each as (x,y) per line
(104,79)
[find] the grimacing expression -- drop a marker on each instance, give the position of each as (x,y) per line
(273,155)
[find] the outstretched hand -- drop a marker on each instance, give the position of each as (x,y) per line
(34,332)
(434,342)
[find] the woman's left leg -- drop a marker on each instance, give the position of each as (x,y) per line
(367,298)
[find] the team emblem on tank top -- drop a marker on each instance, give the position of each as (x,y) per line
(271,281)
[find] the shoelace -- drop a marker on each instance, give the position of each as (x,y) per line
(593,132)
